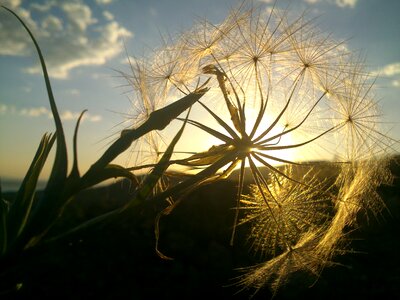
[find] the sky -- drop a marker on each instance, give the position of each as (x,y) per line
(86,42)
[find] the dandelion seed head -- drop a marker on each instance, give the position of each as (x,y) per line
(290,209)
(280,92)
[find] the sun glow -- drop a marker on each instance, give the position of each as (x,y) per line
(289,154)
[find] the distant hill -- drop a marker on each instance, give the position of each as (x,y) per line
(324,169)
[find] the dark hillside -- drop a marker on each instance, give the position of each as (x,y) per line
(117,260)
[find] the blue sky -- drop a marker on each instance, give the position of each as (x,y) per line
(83,44)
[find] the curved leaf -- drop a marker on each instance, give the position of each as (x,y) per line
(110,171)
(59,171)
(158,120)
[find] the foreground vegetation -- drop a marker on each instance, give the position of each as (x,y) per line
(117,259)
(276,91)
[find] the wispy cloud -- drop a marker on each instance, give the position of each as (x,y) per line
(104,2)
(311,1)
(109,16)
(43,7)
(391,71)
(346,3)
(128,59)
(68,115)
(72,92)
(35,112)
(388,70)
(339,3)
(69,33)
(79,16)
(41,111)
(4,109)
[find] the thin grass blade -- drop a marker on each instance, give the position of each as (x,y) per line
(151,180)
(220,121)
(75,168)
(211,131)
(21,207)
(3,224)
(205,158)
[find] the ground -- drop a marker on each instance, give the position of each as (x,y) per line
(117,260)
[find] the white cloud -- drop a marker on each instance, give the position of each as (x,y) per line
(68,115)
(52,23)
(36,112)
(104,2)
(388,70)
(95,118)
(311,1)
(391,71)
(346,3)
(3,109)
(340,3)
(69,39)
(44,6)
(128,59)
(11,3)
(109,16)
(74,92)
(13,39)
(79,15)
(7,109)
